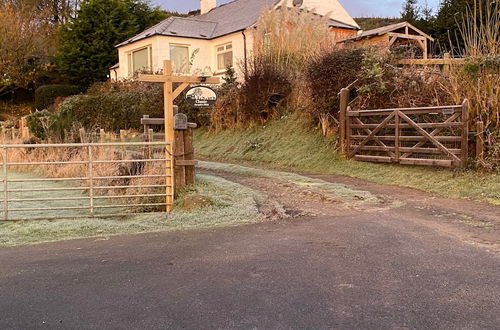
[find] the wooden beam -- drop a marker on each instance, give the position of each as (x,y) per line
(434,61)
(179,90)
(375,131)
(413,111)
(196,80)
(406,36)
(423,125)
(185,162)
(376,159)
(344,101)
(428,162)
(380,143)
(152,78)
(431,138)
(434,132)
(465,132)
(408,138)
(479,141)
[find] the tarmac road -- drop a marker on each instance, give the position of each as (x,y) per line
(357,271)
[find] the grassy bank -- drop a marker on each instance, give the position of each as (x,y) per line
(291,144)
(230,204)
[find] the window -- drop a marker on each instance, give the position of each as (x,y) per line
(139,60)
(179,55)
(224,56)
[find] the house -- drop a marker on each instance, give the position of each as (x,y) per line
(217,38)
(392,36)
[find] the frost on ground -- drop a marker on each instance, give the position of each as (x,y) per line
(231,204)
(339,190)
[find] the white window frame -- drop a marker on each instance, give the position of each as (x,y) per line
(189,54)
(222,52)
(130,59)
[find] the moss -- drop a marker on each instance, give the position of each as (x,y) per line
(291,144)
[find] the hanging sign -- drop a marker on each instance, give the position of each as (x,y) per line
(201,96)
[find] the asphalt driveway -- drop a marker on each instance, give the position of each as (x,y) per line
(356,271)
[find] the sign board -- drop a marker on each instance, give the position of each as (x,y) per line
(201,96)
(180,122)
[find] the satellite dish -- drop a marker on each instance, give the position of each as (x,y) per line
(298,3)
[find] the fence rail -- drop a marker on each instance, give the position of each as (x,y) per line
(112,179)
(436,136)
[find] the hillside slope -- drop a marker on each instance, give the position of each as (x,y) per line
(290,144)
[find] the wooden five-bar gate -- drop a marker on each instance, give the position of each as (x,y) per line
(414,136)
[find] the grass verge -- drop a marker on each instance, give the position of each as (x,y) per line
(290,144)
(231,204)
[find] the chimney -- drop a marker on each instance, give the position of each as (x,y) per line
(207,5)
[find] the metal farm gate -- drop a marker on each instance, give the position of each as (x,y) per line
(85,180)
(415,136)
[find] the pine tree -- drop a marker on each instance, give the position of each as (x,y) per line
(410,11)
(87,42)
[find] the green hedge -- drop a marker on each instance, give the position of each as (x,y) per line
(46,95)
(111,111)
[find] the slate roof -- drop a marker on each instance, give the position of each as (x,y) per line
(225,19)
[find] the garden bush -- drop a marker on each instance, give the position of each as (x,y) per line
(263,95)
(43,124)
(328,73)
(111,111)
(46,95)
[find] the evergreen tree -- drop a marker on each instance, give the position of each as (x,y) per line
(450,15)
(410,12)
(87,42)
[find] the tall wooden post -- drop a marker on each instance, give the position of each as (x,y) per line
(169,135)
(344,102)
(480,142)
(465,132)
(168,79)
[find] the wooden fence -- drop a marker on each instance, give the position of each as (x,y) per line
(184,162)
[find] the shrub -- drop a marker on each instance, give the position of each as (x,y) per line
(111,111)
(45,96)
(261,96)
(42,124)
(327,74)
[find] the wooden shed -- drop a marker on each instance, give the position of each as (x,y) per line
(392,35)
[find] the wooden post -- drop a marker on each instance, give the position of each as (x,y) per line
(102,134)
(480,142)
(180,175)
(447,58)
(397,143)
(169,95)
(344,102)
(169,135)
(189,156)
(146,128)
(81,133)
(465,132)
(349,131)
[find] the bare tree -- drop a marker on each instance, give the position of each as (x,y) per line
(26,43)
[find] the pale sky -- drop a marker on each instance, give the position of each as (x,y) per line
(357,8)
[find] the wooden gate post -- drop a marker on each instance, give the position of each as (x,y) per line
(465,132)
(480,142)
(344,102)
(348,132)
